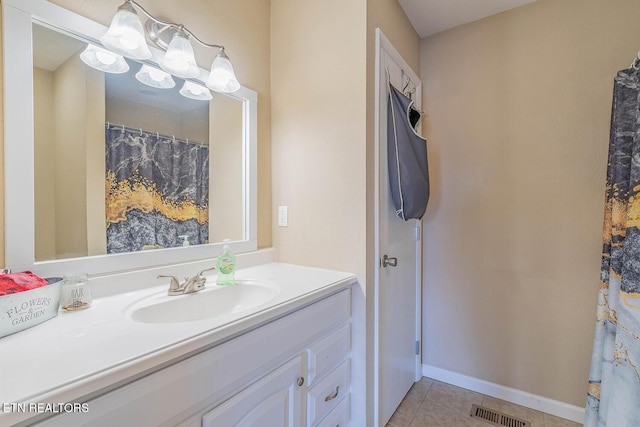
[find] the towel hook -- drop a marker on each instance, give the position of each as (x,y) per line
(406,85)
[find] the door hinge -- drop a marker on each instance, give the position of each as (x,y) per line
(417,348)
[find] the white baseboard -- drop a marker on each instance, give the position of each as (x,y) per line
(533,401)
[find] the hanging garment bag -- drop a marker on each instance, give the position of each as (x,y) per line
(407,158)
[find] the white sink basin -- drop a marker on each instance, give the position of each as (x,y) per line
(213,301)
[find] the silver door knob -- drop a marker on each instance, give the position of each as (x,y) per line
(389,262)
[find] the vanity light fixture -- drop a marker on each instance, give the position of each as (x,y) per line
(104,60)
(126,37)
(154,77)
(195,91)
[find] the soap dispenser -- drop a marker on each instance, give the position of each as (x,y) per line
(226,266)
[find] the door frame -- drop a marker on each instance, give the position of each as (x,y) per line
(383,44)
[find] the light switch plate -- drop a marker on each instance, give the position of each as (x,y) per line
(283,216)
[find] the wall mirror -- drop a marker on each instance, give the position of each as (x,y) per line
(104,173)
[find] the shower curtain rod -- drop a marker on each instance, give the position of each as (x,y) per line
(110,125)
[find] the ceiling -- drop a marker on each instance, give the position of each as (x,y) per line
(432,16)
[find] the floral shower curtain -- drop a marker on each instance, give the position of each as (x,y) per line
(613,397)
(157,191)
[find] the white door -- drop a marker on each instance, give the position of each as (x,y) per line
(397,287)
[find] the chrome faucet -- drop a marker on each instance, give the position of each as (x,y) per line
(190,285)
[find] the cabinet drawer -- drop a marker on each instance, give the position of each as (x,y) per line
(327,393)
(339,417)
(327,353)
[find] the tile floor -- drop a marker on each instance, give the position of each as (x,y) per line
(431,403)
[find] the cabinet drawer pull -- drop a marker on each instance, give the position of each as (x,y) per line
(300,381)
(332,395)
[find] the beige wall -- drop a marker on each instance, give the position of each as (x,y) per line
(45,168)
(318,110)
(192,124)
(243,26)
(318,81)
(149,118)
(71,198)
(95,162)
(518,109)
(78,111)
(225,163)
(195,123)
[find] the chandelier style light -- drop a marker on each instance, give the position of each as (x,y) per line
(126,38)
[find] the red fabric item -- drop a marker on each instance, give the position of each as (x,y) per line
(20,282)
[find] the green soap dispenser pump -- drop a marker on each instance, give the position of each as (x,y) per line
(226,266)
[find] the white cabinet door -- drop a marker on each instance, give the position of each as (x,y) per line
(273,401)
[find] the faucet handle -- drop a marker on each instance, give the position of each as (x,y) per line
(205,270)
(174,285)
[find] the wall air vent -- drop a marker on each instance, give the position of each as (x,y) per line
(497,418)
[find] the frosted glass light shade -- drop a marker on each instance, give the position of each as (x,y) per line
(154,77)
(222,78)
(104,60)
(125,35)
(179,59)
(195,91)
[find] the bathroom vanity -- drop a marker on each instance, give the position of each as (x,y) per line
(281,362)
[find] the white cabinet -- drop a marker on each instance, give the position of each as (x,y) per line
(244,381)
(301,393)
(275,400)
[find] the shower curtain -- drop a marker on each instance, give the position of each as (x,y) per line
(157,191)
(613,397)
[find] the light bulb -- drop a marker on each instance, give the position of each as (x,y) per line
(179,59)
(155,78)
(156,75)
(195,91)
(104,60)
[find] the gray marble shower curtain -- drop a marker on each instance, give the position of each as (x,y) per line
(613,397)
(157,191)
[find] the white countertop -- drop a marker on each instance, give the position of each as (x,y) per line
(83,353)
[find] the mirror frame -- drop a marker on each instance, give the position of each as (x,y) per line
(17,19)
